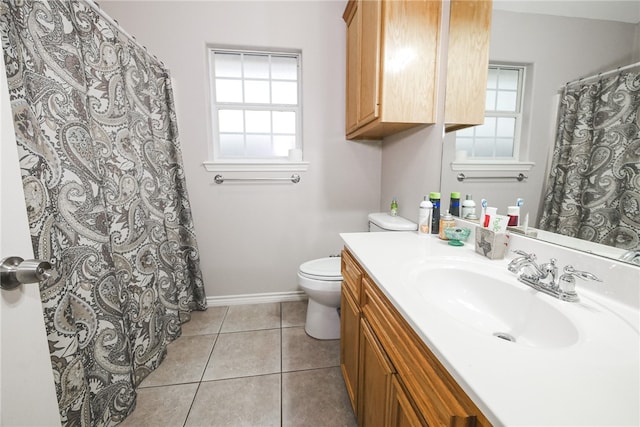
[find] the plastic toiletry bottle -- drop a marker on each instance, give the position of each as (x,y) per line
(394,206)
(424,217)
(454,204)
(445,222)
(468,207)
(434,198)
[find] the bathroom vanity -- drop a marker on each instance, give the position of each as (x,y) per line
(389,372)
(421,345)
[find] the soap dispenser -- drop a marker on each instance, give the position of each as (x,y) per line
(446,221)
(394,207)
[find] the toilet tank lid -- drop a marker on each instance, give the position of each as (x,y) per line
(323,267)
(392,223)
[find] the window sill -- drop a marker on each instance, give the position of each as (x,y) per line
(492,166)
(256,167)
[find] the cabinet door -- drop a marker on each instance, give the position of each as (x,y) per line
(374,380)
(409,59)
(467,63)
(370,27)
(352,18)
(349,344)
(401,411)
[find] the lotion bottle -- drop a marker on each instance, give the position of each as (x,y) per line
(424,217)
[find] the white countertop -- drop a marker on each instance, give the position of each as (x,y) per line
(594,381)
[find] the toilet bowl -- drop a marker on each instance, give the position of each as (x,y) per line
(321,280)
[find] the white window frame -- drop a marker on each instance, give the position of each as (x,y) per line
(218,164)
(515,162)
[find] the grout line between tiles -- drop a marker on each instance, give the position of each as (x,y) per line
(215,341)
(281,378)
(191,406)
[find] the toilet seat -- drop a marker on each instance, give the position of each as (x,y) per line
(326,269)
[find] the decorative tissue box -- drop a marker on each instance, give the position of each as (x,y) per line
(490,244)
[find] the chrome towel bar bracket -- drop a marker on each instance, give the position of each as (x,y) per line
(219,179)
(520,177)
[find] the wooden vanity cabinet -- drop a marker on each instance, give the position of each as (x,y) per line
(374,372)
(399,380)
(392,49)
(350,325)
(402,412)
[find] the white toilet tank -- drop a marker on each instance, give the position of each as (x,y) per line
(383,221)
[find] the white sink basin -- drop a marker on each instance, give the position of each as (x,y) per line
(493,303)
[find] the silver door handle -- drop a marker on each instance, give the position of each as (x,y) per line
(14,271)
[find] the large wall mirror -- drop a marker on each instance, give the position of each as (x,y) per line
(555,42)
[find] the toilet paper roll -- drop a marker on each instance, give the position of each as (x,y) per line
(295,155)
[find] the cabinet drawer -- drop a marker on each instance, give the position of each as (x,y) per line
(436,394)
(351,275)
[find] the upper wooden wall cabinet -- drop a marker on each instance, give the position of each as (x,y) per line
(467,63)
(393,49)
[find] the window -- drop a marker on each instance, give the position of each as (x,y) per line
(499,137)
(255,106)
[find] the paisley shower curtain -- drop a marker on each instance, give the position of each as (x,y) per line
(106,200)
(593,190)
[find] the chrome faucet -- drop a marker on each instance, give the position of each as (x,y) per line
(525,266)
(631,256)
(544,278)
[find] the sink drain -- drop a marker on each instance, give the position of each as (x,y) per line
(504,336)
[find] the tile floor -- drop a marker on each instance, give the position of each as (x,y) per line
(246,365)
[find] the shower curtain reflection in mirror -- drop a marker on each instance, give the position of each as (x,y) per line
(593,189)
(106,201)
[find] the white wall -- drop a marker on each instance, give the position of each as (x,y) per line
(253,237)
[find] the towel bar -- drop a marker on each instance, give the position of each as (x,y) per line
(520,177)
(219,179)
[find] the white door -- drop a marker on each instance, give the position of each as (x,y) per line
(27,392)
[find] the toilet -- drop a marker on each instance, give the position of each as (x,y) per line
(321,280)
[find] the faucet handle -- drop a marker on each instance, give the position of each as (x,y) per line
(585,275)
(567,282)
(530,256)
(516,263)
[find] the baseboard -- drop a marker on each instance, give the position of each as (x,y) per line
(256,298)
